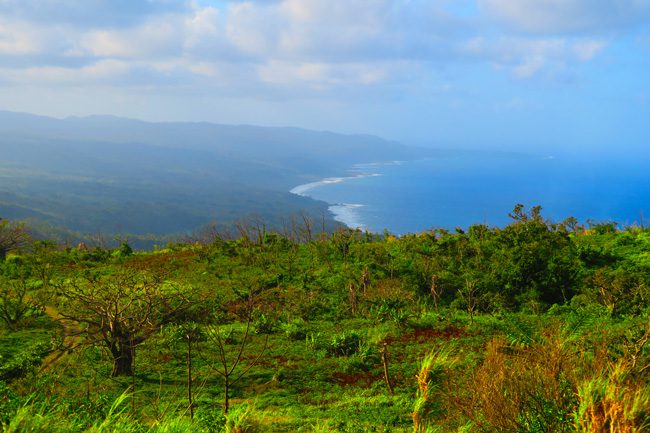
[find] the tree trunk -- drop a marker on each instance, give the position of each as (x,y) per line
(122,359)
(189,376)
(384,360)
(226,396)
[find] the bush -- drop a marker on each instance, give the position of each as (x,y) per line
(344,344)
(263,323)
(364,359)
(295,329)
(24,361)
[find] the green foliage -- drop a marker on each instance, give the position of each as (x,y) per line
(263,323)
(295,330)
(124,250)
(535,314)
(211,420)
(345,343)
(23,362)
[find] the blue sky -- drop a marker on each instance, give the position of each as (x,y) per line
(509,74)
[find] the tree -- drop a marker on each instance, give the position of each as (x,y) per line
(15,300)
(229,353)
(122,310)
(12,237)
(189,332)
(535,259)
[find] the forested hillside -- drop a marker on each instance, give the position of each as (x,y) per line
(533,327)
(159,179)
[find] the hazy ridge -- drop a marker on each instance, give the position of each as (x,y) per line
(115,175)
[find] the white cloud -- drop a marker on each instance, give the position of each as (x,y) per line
(526,57)
(150,39)
(18,39)
(268,47)
(254,29)
(588,49)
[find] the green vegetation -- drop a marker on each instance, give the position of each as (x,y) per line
(534,327)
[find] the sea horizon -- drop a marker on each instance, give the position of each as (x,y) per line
(465,189)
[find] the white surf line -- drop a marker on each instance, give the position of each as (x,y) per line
(305,188)
(347,214)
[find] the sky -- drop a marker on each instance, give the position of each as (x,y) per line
(506,74)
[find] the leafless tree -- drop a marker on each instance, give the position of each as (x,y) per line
(122,310)
(13,236)
(230,356)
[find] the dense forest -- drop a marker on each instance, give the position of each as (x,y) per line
(536,326)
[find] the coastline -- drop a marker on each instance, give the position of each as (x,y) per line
(346,213)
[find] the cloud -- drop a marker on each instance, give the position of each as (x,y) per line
(149,40)
(569,16)
(526,57)
(17,39)
(297,48)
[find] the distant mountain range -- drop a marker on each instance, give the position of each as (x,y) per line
(122,176)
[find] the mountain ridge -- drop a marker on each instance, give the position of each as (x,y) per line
(113,174)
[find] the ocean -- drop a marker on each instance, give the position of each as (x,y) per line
(465,188)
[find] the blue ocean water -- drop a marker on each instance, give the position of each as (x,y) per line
(458,190)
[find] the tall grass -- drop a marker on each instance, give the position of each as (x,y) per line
(552,384)
(613,401)
(429,377)
(44,418)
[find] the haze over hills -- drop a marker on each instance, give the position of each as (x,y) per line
(118,175)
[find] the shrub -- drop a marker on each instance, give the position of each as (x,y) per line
(263,323)
(344,344)
(524,385)
(295,329)
(24,362)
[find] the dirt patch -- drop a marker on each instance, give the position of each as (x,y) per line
(424,335)
(363,380)
(70,334)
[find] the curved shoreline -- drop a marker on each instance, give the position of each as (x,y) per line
(306,187)
(346,213)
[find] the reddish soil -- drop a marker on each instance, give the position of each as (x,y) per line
(363,380)
(423,335)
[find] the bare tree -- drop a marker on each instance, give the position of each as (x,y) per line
(13,236)
(436,291)
(470,295)
(121,311)
(230,355)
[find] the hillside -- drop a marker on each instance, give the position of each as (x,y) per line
(533,327)
(114,175)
